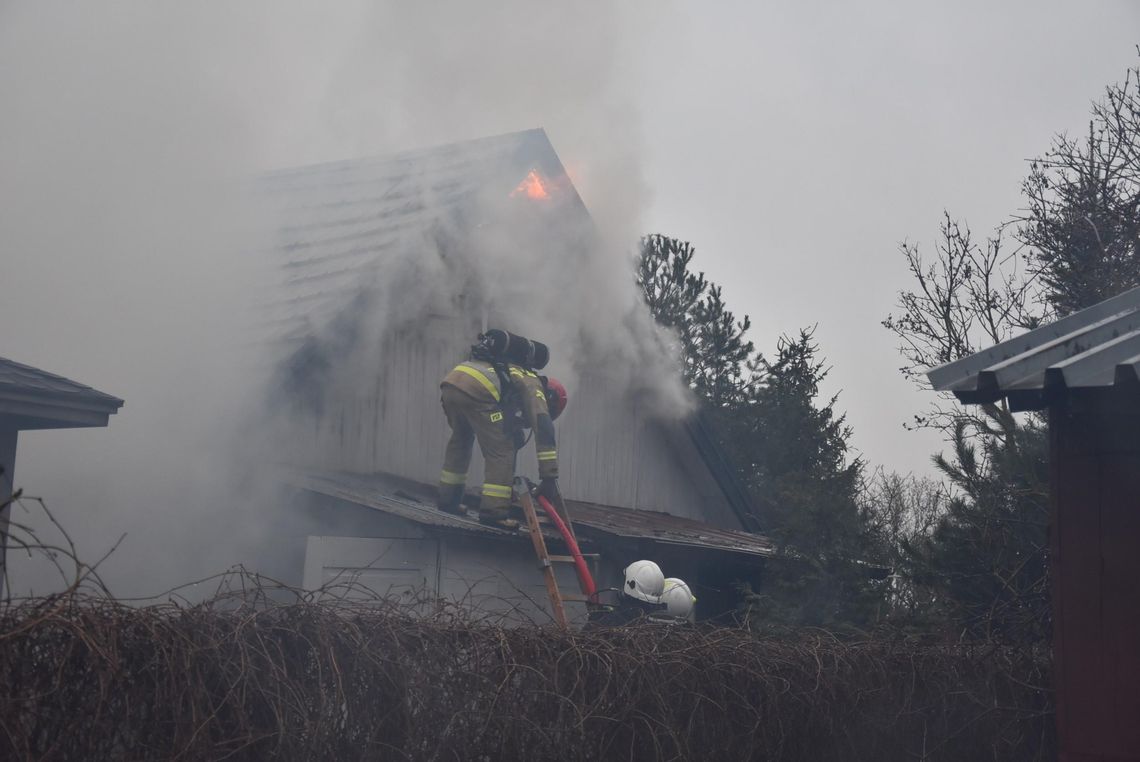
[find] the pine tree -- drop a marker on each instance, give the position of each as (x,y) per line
(1082,223)
(789,450)
(720,351)
(670,288)
(982,569)
(796,457)
(714,347)
(986,563)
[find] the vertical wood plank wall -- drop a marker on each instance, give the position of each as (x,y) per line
(610,452)
(1095,535)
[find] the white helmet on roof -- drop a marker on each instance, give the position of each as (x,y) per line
(678,598)
(644,581)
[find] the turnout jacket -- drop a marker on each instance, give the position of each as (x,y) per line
(516,392)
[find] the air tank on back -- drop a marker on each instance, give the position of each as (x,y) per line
(516,349)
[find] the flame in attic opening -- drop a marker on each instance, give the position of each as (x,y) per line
(532,186)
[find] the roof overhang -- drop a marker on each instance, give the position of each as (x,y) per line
(24,412)
(32,398)
(413,502)
(1095,348)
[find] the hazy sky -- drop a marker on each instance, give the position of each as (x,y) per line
(794,144)
(797,144)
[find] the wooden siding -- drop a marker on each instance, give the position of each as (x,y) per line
(496,578)
(1096,575)
(389,418)
(372,566)
(598,441)
(610,451)
(343,223)
(672,477)
(503,578)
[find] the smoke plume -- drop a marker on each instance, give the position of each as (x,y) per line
(139,256)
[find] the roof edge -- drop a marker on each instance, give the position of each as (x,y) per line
(745,509)
(86,401)
(943,377)
(530,133)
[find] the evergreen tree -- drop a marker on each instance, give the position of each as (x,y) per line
(986,563)
(982,569)
(672,290)
(788,450)
(978,570)
(1082,223)
(795,456)
(719,356)
(714,348)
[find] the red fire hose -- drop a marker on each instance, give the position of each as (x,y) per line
(585,579)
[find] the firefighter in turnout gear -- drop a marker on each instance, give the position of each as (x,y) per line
(491,398)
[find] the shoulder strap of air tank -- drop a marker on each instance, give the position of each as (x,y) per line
(503,372)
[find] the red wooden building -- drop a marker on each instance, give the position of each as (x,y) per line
(1084,370)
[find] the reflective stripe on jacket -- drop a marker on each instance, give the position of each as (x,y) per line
(480,381)
(477,379)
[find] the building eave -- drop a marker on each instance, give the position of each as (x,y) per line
(412,502)
(1094,348)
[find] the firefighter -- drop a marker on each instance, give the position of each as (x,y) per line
(491,397)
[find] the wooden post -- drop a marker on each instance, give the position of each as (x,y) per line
(8,437)
(1095,569)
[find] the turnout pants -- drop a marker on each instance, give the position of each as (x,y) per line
(471,419)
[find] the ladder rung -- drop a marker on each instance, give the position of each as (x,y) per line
(570,559)
(535,525)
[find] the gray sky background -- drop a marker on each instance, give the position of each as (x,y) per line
(797,144)
(794,144)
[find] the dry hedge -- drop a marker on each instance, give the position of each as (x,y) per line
(238,677)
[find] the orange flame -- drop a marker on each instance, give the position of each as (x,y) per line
(533,186)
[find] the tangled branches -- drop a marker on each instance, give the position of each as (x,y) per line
(239,677)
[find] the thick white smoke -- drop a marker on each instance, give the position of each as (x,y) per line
(131,131)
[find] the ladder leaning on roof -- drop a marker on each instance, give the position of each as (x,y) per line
(546,561)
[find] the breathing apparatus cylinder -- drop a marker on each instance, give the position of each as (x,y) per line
(515,349)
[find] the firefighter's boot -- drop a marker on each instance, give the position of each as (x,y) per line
(449,498)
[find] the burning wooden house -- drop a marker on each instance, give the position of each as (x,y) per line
(391,268)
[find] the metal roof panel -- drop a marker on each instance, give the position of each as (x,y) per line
(1095,347)
(943,376)
(346,216)
(25,380)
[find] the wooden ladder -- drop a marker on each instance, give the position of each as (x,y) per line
(546,560)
